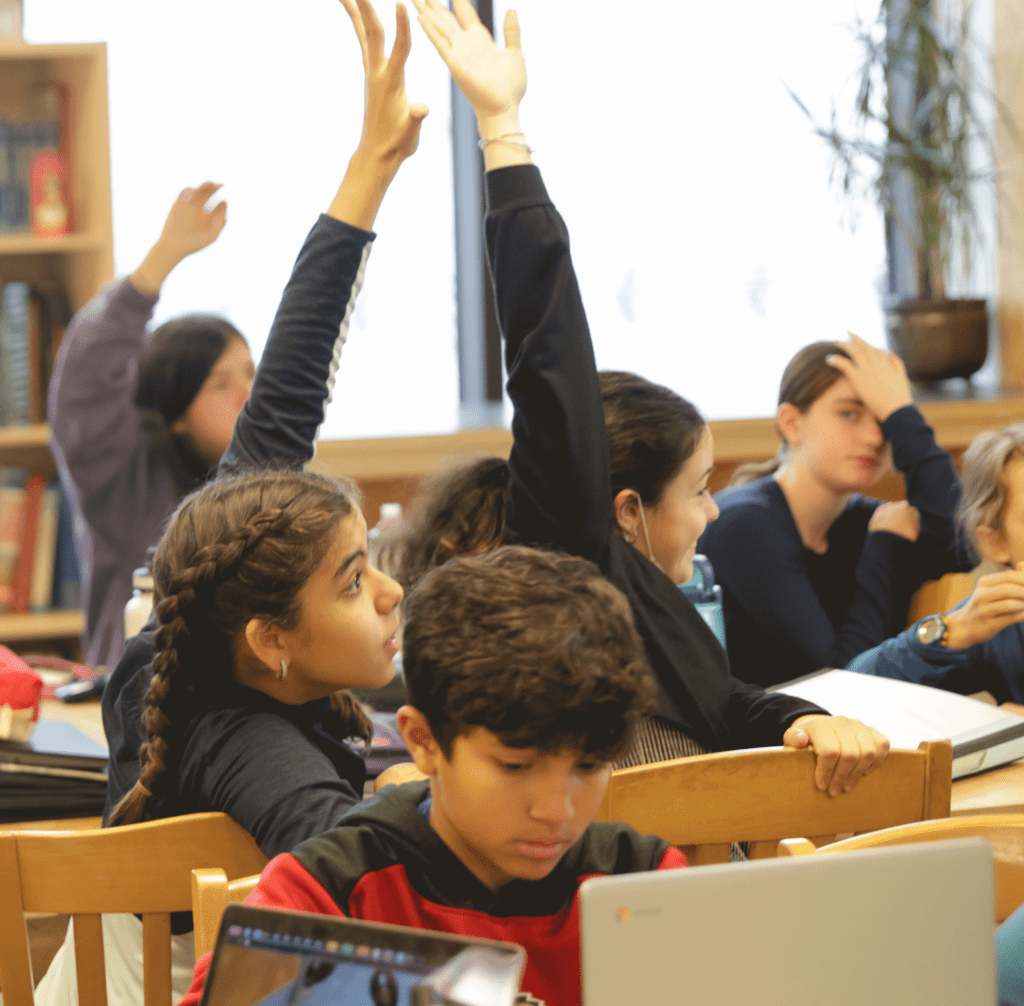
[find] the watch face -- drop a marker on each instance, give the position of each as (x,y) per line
(931,629)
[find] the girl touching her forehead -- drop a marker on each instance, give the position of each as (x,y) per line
(813,571)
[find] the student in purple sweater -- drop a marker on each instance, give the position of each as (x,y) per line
(140,419)
(812,571)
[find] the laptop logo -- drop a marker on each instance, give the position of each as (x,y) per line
(622,914)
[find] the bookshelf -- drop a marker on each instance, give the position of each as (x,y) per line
(80,262)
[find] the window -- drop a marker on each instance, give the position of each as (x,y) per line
(707,241)
(267,98)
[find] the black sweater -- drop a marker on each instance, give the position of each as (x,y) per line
(559,485)
(790,611)
(281,771)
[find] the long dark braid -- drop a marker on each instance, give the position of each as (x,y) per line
(238,549)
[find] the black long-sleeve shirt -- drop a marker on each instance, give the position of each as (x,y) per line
(560,483)
(281,771)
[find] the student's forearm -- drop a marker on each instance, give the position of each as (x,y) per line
(158,264)
(362,190)
(504,144)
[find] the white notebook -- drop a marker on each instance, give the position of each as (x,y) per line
(983,736)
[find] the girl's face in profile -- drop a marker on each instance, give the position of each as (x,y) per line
(678,519)
(346,636)
(839,440)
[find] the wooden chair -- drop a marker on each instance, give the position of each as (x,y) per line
(936,597)
(1005,832)
(702,804)
(211,893)
(143,868)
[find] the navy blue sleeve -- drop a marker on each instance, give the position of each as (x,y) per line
(559,480)
(279,423)
(760,567)
(266,775)
(993,667)
(932,485)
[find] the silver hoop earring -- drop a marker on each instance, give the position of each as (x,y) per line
(283,673)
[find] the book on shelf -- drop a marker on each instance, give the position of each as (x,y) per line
(39,124)
(38,564)
(32,324)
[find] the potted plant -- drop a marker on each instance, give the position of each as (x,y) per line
(919,143)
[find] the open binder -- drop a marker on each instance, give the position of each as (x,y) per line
(983,736)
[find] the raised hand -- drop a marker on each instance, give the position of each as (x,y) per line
(879,378)
(189,228)
(391,123)
(492,79)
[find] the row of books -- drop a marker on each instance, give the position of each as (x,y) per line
(38,566)
(19,143)
(32,324)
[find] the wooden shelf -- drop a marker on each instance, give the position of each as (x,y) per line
(48,625)
(26,243)
(21,437)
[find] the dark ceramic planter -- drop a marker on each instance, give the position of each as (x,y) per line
(937,339)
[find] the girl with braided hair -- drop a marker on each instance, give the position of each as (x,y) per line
(267,603)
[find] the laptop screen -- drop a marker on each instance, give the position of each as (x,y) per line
(266,957)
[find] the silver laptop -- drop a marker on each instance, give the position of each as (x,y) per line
(904,926)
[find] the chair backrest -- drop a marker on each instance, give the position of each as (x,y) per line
(936,597)
(704,803)
(1005,833)
(142,868)
(211,893)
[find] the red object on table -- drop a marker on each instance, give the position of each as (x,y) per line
(20,686)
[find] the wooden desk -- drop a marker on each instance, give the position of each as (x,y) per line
(1000,791)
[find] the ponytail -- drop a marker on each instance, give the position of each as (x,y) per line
(754,470)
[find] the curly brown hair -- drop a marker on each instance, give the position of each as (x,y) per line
(239,548)
(535,646)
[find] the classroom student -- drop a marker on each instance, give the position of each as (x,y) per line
(140,419)
(267,604)
(524,674)
(979,645)
(620,480)
(812,571)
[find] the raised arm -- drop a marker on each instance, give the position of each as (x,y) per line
(293,385)
(96,427)
(559,486)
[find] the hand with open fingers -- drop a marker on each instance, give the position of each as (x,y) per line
(897,517)
(391,123)
(879,378)
(190,226)
(996,602)
(846,749)
(492,79)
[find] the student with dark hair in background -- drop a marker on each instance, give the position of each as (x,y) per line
(139,419)
(613,469)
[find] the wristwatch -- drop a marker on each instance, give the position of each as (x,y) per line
(930,630)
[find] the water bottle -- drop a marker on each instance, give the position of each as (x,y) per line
(140,605)
(383,538)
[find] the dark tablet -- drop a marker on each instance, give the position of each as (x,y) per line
(266,957)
